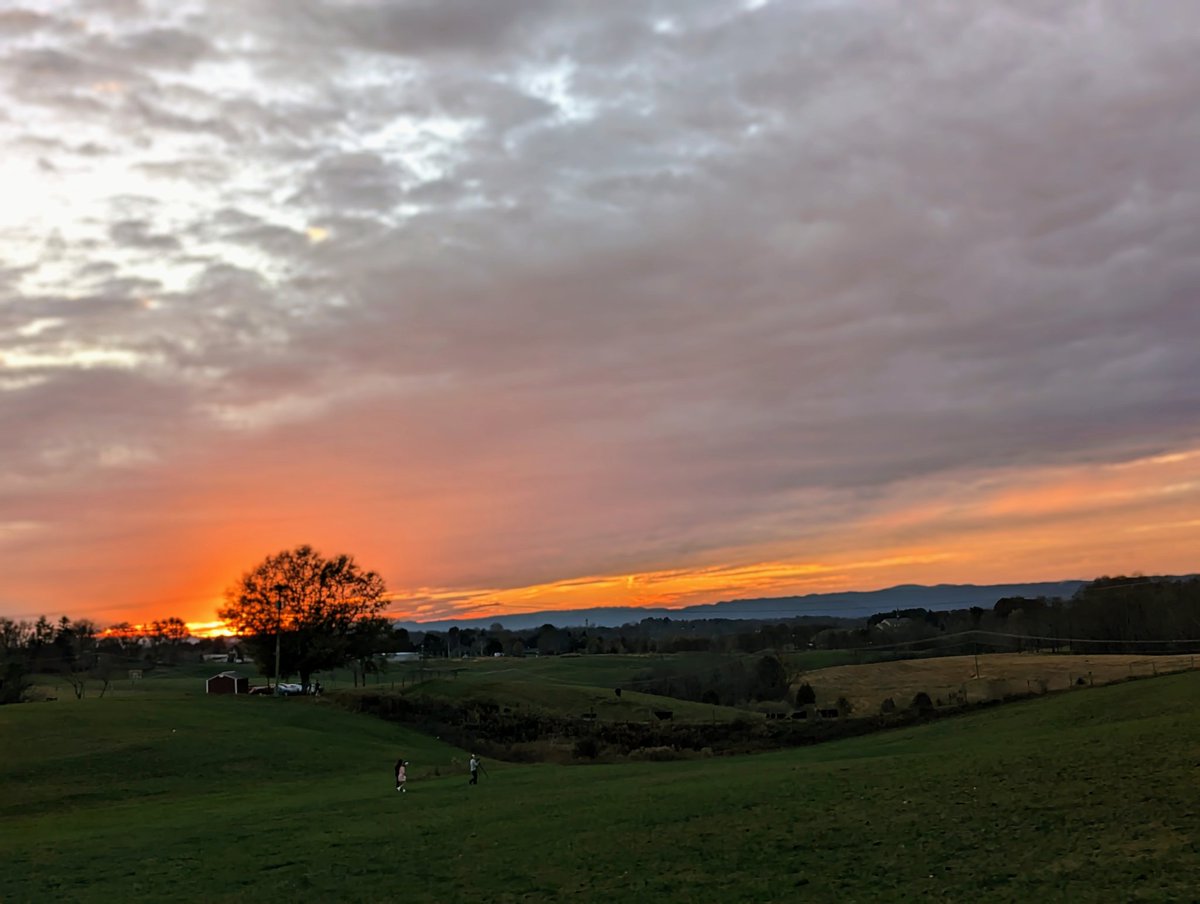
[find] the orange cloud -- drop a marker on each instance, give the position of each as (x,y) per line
(669,588)
(1043,524)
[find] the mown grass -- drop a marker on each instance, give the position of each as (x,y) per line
(1089,796)
(1000,675)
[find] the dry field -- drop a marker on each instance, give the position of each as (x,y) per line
(954,678)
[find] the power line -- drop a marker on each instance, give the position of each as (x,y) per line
(977,634)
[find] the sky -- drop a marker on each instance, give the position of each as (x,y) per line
(538,305)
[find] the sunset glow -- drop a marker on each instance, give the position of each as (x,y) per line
(537,307)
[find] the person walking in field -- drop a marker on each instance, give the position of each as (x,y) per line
(474,766)
(401,774)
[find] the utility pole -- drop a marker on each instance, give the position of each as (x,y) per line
(278,629)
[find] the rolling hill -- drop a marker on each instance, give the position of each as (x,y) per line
(850,604)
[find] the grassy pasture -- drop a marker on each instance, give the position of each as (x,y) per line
(525,692)
(1000,674)
(185,678)
(570,685)
(1090,796)
(607,671)
(560,685)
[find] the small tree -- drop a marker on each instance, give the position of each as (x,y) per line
(433,646)
(15,666)
(770,679)
(552,641)
(366,646)
(167,635)
(103,670)
(75,644)
(805,695)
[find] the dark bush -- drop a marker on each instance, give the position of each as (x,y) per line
(770,679)
(922,702)
(586,749)
(805,694)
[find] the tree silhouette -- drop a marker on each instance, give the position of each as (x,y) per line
(770,679)
(167,635)
(309,605)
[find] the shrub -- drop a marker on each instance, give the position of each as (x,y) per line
(770,679)
(586,749)
(922,702)
(805,694)
(888,706)
(844,706)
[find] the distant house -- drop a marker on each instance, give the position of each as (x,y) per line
(227,683)
(894,624)
(411,656)
(218,657)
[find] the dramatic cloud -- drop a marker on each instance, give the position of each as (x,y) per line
(631,302)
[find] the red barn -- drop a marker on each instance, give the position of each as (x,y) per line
(227,683)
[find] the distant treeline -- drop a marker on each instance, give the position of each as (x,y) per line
(83,656)
(650,635)
(1111,614)
(1137,614)
(1134,614)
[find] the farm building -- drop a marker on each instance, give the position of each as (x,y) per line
(227,683)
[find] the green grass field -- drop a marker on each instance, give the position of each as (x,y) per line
(531,693)
(168,795)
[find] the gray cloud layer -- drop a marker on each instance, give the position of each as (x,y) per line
(586,286)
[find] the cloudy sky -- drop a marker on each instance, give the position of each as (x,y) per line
(535,304)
